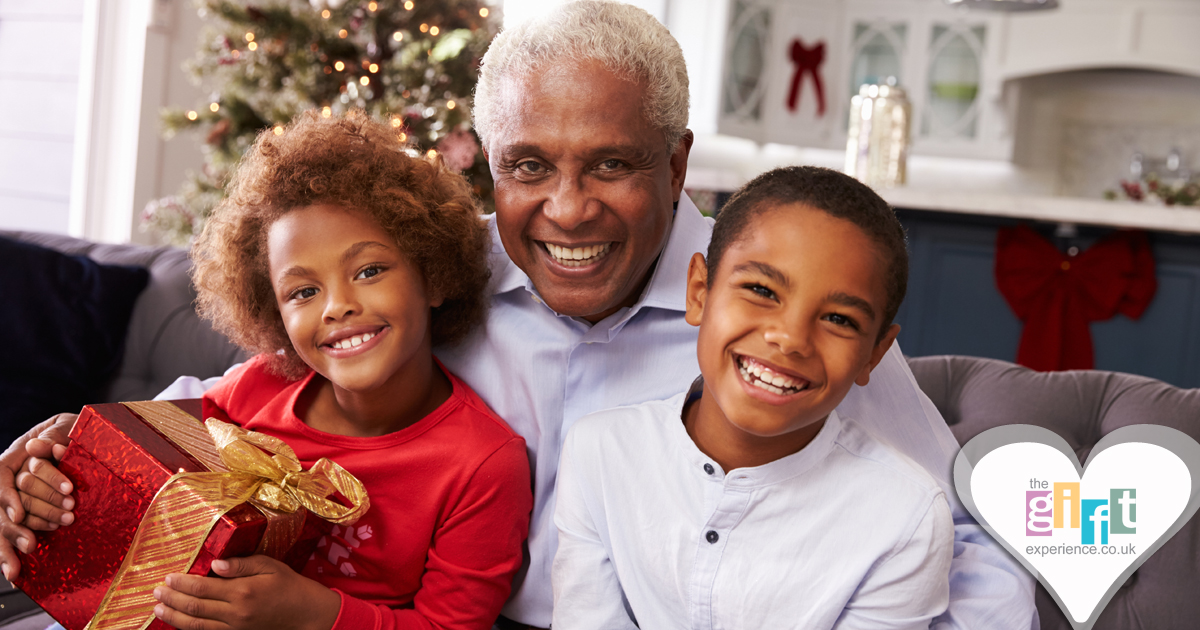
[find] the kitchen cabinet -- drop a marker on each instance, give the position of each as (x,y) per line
(954,307)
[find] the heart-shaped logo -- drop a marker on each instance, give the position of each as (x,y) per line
(1081,531)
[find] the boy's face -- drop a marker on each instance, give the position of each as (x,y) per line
(354,307)
(790,321)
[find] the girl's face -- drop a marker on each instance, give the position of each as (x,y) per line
(356,310)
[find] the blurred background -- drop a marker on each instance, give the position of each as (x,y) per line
(1075,119)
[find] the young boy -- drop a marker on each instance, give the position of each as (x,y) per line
(747,502)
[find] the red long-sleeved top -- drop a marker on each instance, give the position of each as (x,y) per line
(450,503)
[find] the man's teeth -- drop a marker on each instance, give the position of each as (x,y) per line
(350,342)
(578,256)
(765,378)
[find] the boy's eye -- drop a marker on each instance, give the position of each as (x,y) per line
(841,320)
(761,291)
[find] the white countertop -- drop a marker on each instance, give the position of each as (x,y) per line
(1126,214)
(988,188)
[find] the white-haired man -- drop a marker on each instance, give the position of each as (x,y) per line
(583,116)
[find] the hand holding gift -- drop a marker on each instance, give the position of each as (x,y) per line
(202,480)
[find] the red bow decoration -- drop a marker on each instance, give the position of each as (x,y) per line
(807,60)
(1057,295)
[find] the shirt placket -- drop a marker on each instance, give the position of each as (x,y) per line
(731,503)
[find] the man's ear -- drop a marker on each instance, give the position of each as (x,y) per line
(697,289)
(679,159)
(881,347)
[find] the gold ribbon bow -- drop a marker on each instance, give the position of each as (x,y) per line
(179,519)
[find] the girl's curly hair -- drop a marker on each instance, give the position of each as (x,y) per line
(353,162)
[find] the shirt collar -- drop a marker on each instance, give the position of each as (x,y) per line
(768,474)
(690,233)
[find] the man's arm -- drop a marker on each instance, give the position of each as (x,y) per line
(988,589)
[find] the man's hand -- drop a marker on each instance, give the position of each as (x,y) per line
(252,593)
(44,441)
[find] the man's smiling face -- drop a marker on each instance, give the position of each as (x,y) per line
(584,186)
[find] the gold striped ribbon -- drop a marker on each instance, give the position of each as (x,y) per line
(186,508)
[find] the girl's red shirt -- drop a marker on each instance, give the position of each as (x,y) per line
(450,502)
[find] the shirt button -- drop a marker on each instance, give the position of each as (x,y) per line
(709,469)
(712,537)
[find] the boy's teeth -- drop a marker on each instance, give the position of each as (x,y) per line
(764,378)
(577,256)
(351,342)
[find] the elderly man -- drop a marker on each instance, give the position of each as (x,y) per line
(583,117)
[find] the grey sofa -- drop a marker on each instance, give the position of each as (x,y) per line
(166,338)
(975,395)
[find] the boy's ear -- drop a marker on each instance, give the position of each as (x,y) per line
(697,289)
(881,347)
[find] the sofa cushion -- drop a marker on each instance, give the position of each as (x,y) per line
(68,317)
(1081,406)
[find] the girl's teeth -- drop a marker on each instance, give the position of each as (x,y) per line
(357,340)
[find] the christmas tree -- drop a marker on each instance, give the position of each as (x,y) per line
(413,62)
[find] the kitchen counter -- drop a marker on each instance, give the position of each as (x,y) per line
(1119,214)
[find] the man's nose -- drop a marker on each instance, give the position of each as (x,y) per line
(571,205)
(340,302)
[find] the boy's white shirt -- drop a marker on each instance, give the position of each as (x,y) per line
(846,534)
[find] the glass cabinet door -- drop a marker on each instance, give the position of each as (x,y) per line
(878,53)
(746,61)
(952,102)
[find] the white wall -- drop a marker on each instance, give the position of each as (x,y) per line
(39,78)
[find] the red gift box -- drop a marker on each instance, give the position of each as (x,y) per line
(118,461)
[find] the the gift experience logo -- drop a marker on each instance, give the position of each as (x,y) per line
(1059,505)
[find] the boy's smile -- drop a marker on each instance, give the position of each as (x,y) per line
(354,307)
(787,326)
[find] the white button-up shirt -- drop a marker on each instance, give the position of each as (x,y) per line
(541,372)
(846,533)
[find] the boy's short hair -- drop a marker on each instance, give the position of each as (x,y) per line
(834,193)
(354,162)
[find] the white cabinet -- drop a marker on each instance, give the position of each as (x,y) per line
(944,57)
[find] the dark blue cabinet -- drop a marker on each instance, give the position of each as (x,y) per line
(954,307)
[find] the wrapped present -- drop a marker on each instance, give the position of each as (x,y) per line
(158,491)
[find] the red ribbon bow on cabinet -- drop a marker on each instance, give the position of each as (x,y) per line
(1058,295)
(807,60)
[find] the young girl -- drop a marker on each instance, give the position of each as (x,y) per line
(340,260)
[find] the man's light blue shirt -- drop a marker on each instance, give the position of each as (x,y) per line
(542,371)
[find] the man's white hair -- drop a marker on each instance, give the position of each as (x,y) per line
(626,40)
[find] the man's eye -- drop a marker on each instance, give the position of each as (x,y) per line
(611,165)
(529,167)
(369,272)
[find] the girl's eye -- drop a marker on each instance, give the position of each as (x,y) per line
(304,294)
(369,272)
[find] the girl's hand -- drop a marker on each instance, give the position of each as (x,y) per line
(252,593)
